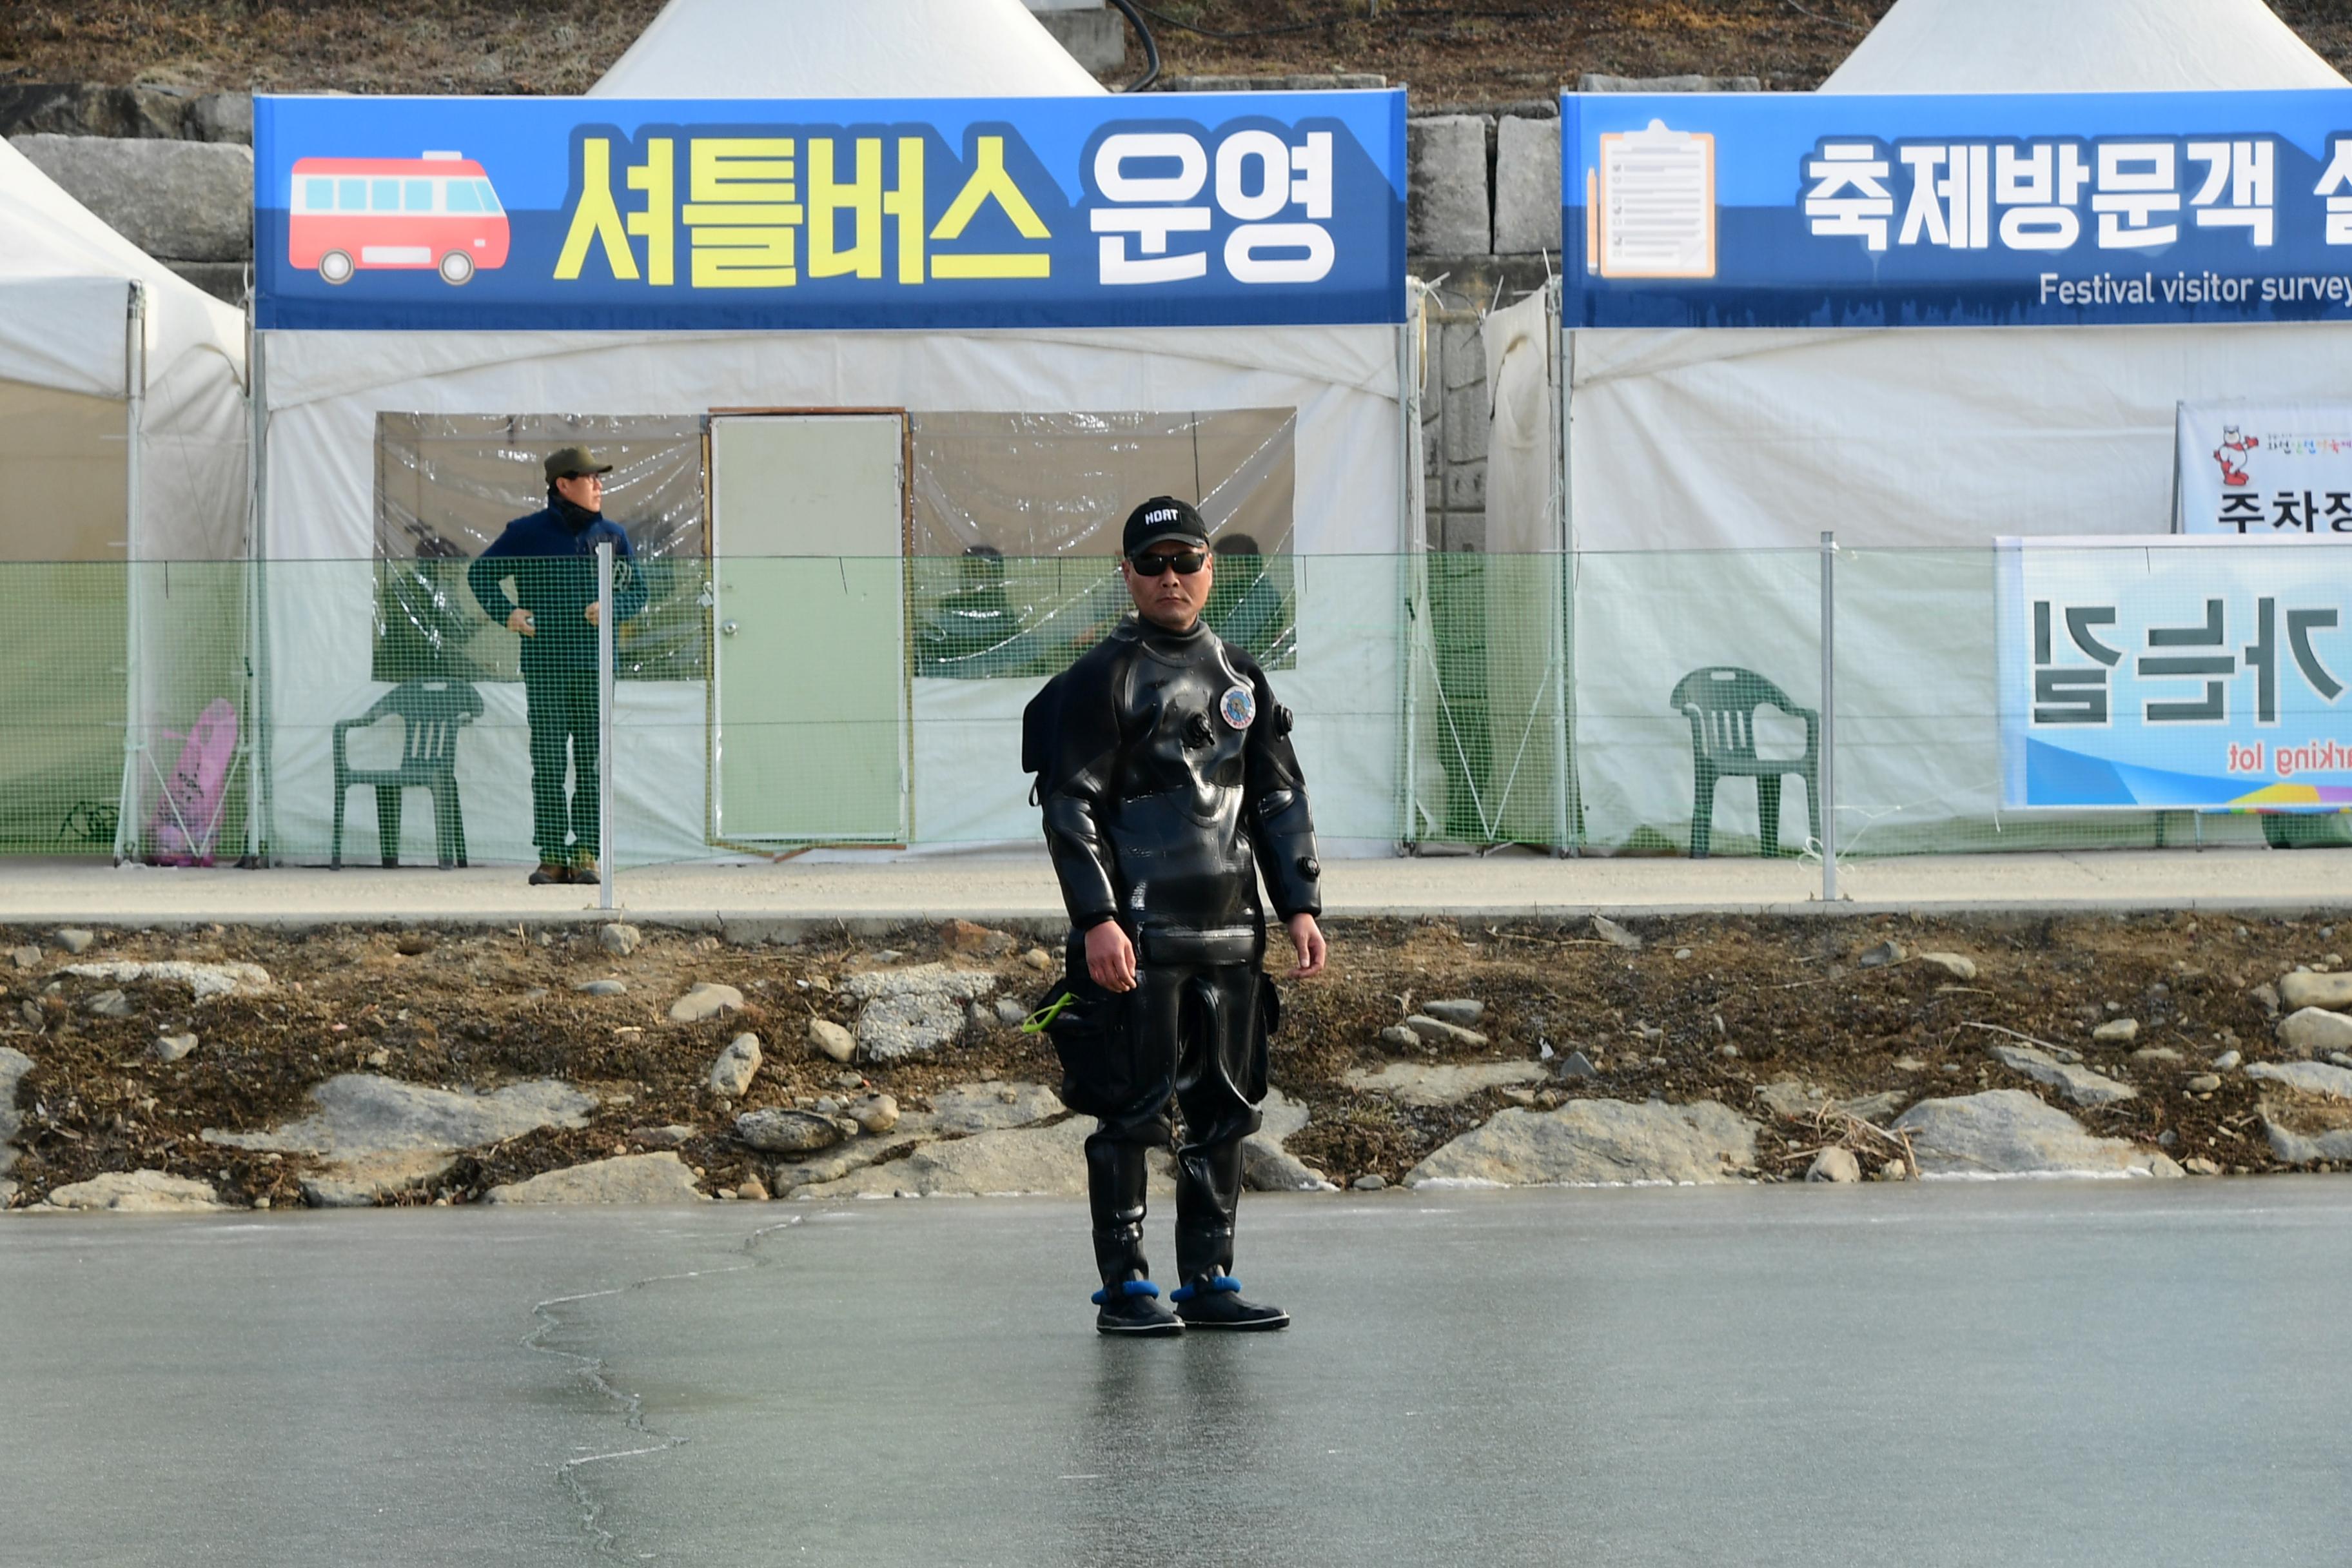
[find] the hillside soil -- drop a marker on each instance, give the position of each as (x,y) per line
(1447,51)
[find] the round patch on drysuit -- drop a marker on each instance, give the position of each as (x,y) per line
(1238,706)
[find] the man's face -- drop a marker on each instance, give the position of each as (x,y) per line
(1173,599)
(586,491)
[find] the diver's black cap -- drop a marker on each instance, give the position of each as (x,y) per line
(1163,517)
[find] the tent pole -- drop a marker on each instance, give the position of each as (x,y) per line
(261,800)
(1828,762)
(134,379)
(1410,564)
(604,724)
(1556,354)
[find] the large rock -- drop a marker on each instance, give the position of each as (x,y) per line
(2008,1132)
(653,1179)
(2303,1147)
(99,108)
(787,1132)
(13,1065)
(1527,185)
(1425,1085)
(2079,1084)
(1267,1165)
(2311,1078)
(1446,211)
(138,1192)
(1438,1032)
(188,200)
(378,1135)
(1589,1142)
(2314,1031)
(829,1039)
(733,1073)
(2305,988)
(1047,1160)
(957,1112)
(1599,81)
(705,999)
(203,981)
(909,1012)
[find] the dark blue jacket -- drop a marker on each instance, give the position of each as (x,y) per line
(551,556)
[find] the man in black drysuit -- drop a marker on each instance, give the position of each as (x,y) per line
(551,554)
(1169,783)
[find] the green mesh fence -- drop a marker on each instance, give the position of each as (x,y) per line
(1654,702)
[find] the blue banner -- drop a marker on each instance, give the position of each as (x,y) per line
(1814,210)
(2171,673)
(414,214)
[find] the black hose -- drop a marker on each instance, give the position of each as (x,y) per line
(1150,47)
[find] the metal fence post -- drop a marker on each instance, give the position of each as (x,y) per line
(604,724)
(1828,781)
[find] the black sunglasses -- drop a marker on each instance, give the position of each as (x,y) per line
(1186,562)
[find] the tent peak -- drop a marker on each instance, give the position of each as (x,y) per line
(2081,46)
(845,48)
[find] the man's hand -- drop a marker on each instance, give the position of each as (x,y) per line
(591,613)
(520,620)
(1307,938)
(1110,956)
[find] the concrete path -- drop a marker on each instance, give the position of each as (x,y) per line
(2084,1374)
(761,898)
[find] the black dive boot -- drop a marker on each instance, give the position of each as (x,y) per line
(1208,1191)
(1130,1301)
(1216,1303)
(1132,1307)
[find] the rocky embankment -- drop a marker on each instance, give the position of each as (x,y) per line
(149,1071)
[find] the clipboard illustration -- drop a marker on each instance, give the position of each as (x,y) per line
(1650,204)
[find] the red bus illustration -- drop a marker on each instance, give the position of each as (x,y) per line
(436,211)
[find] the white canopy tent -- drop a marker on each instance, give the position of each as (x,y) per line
(1355,444)
(845,48)
(122,440)
(1752,442)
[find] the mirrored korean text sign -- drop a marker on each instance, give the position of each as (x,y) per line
(2170,673)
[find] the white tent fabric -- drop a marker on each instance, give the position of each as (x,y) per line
(163,483)
(845,48)
(2081,46)
(64,298)
(1705,465)
(325,390)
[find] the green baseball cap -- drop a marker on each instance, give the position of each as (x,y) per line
(570,462)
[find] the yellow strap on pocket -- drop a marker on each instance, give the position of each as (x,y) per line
(1038,1023)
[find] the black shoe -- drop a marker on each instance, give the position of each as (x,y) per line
(548,873)
(1134,1308)
(584,870)
(1216,1303)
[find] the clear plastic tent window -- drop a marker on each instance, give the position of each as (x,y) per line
(1017,521)
(447,485)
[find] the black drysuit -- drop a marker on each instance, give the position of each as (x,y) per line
(1168,784)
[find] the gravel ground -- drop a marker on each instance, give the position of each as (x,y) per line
(1705,1008)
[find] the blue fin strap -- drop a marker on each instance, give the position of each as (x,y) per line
(1221,1284)
(1130,1288)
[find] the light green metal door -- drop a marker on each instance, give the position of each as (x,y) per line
(807,531)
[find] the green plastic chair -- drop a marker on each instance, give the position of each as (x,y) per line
(432,712)
(1720,701)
